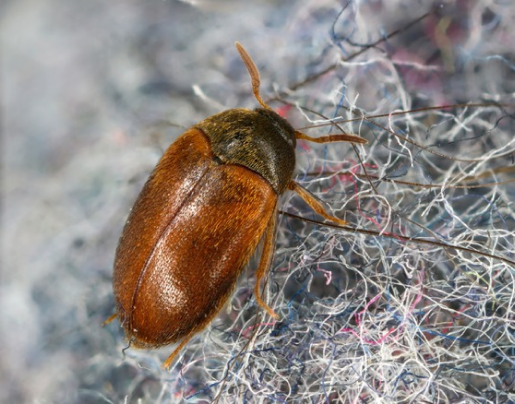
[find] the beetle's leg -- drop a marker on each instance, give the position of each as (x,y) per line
(111,318)
(167,363)
(313,203)
(342,137)
(264,263)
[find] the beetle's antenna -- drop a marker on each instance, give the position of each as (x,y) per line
(253,72)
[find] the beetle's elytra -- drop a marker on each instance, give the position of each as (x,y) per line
(210,200)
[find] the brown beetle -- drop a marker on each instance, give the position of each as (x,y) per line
(210,200)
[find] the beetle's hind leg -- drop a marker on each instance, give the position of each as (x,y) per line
(168,362)
(264,263)
(313,203)
(111,318)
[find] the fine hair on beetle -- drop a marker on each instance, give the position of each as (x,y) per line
(216,190)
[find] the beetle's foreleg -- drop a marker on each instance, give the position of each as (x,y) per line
(313,203)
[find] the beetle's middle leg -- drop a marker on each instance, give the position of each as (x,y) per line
(265,261)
